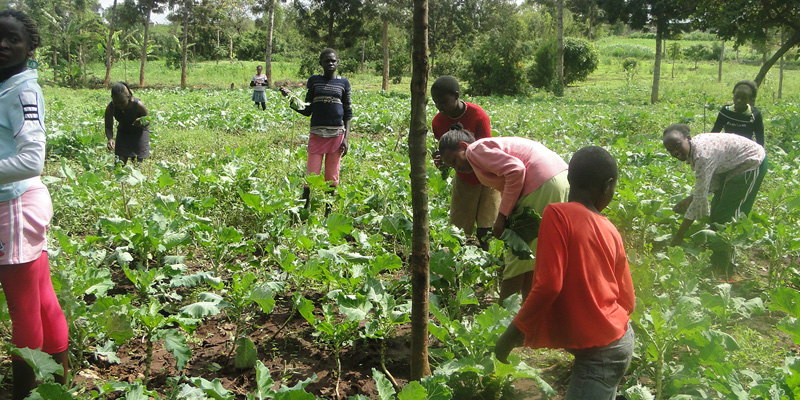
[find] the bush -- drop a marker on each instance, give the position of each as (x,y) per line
(580,60)
(629,66)
(447,64)
(698,52)
(494,63)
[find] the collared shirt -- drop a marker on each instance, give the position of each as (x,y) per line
(715,157)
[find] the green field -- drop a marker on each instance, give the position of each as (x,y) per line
(204,258)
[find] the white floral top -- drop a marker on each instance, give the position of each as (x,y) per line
(715,157)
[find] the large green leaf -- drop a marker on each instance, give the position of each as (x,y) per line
(413,391)
(246,353)
(264,297)
(50,391)
(385,388)
(175,342)
(264,382)
(41,362)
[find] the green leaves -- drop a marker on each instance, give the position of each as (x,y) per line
(42,363)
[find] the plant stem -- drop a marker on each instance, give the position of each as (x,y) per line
(148,357)
(386,371)
(283,325)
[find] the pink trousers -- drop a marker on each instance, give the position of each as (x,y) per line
(37,320)
(332,163)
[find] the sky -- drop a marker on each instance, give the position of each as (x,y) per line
(157,18)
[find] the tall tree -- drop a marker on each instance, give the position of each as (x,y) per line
(417,153)
(148,6)
(749,20)
(388,11)
(669,17)
(560,51)
(268,7)
(109,44)
(329,20)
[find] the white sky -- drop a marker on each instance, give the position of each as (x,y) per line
(157,18)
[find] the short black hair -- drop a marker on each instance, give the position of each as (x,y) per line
(30,25)
(121,88)
(445,84)
(591,167)
(453,138)
(748,83)
(327,51)
(683,129)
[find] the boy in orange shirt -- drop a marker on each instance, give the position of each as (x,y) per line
(582,293)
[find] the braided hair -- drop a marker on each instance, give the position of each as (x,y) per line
(30,26)
(121,88)
(453,138)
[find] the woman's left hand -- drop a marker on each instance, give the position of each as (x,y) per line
(344,146)
(499,225)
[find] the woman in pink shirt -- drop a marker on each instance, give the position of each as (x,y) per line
(527,174)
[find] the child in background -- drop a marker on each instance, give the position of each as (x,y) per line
(133,135)
(742,117)
(470,203)
(259,84)
(37,320)
(730,166)
(526,173)
(582,294)
(329,107)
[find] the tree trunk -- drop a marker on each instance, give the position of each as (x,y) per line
(385,85)
(363,54)
(144,45)
(592,15)
(330,30)
(560,54)
(420,246)
(721,58)
(82,63)
(184,45)
(230,47)
(762,73)
(55,65)
(780,76)
(110,44)
(69,59)
(657,64)
(270,29)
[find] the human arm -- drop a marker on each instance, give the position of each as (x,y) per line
(487,157)
(758,129)
(677,238)
(29,139)
(142,112)
(681,206)
(719,123)
(499,225)
(627,298)
(345,141)
(109,118)
(347,115)
(510,339)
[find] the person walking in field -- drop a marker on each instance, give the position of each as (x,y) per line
(133,134)
(528,175)
(470,203)
(259,84)
(742,117)
(730,166)
(329,106)
(37,320)
(582,295)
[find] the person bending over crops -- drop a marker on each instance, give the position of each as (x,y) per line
(133,134)
(37,320)
(730,166)
(259,84)
(328,99)
(582,294)
(742,117)
(528,175)
(470,203)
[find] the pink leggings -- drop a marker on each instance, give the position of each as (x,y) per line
(332,162)
(37,321)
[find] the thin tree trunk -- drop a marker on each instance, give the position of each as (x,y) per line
(762,73)
(560,54)
(363,54)
(385,85)
(82,63)
(55,65)
(184,45)
(144,46)
(230,48)
(330,30)
(780,76)
(657,65)
(110,44)
(270,29)
(69,60)
(721,58)
(420,246)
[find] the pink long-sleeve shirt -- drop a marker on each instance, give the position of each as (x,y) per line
(513,166)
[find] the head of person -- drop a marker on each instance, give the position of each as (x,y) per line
(121,95)
(592,176)
(19,38)
(329,61)
(678,141)
(744,93)
(453,147)
(444,93)
(259,69)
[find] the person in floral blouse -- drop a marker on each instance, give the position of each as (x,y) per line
(729,166)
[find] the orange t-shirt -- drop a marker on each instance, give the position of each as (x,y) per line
(582,292)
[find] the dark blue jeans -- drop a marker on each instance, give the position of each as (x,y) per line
(597,371)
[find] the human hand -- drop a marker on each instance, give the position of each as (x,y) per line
(437,159)
(344,146)
(110,144)
(499,225)
(682,205)
(284,91)
(510,339)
